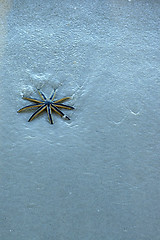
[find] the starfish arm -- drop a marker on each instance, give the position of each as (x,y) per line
(59,112)
(39,110)
(49,114)
(42,95)
(62,100)
(29,106)
(52,96)
(60,105)
(33,100)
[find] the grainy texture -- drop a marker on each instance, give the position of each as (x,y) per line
(96,177)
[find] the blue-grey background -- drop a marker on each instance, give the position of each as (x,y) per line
(97,176)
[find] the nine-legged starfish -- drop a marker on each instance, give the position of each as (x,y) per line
(47,103)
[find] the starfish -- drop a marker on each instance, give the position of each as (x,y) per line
(47,103)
